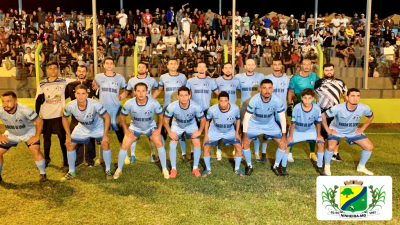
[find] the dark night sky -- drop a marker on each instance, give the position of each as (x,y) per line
(286,7)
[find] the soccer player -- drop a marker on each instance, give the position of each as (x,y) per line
(329,90)
(223,123)
(249,85)
(260,119)
(184,111)
(347,117)
(151,83)
(87,112)
(142,109)
(229,84)
(281,84)
(22,124)
(109,84)
(305,126)
(170,83)
(300,81)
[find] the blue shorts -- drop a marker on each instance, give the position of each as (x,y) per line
(350,139)
(189,130)
(82,135)
(307,136)
(137,131)
(272,130)
(114,113)
(228,138)
(14,140)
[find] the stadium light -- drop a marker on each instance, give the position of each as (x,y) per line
(367,41)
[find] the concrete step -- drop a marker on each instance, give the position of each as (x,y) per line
(382,83)
(379,93)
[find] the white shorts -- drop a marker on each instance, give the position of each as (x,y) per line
(14,140)
(82,135)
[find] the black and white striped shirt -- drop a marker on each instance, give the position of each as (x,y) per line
(329,91)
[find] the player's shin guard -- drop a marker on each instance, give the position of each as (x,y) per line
(163,157)
(172,154)
(121,158)
(328,156)
(183,146)
(320,159)
(264,146)
(196,154)
(100,152)
(247,156)
(41,165)
(312,147)
(71,160)
(238,160)
(207,161)
(107,159)
(284,159)
(278,157)
(256,146)
(365,155)
(133,148)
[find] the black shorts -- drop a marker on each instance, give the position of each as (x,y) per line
(53,126)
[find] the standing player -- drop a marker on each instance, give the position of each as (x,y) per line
(87,112)
(223,123)
(300,81)
(305,126)
(229,84)
(22,124)
(260,119)
(281,84)
(142,109)
(249,85)
(345,125)
(184,111)
(329,89)
(109,84)
(151,84)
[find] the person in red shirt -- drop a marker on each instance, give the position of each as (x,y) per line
(395,72)
(116,34)
(147,18)
(275,22)
(201,19)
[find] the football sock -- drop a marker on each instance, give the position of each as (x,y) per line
(107,159)
(100,152)
(121,158)
(364,157)
(238,160)
(264,146)
(284,159)
(196,154)
(71,160)
(256,146)
(152,147)
(41,165)
(133,148)
(278,157)
(207,162)
(312,147)
(163,157)
(172,154)
(247,156)
(183,146)
(328,157)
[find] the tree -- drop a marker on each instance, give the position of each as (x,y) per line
(347,192)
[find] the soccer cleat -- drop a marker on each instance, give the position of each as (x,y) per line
(313,156)
(132,159)
(43,178)
(206,173)
(240,173)
(219,155)
(258,159)
(153,158)
(1,179)
(264,157)
(290,158)
(328,170)
(321,171)
(196,172)
(109,175)
(337,157)
(99,161)
(284,172)
(184,158)
(276,171)
(47,162)
(249,171)
(362,169)
(117,174)
(90,164)
(173,173)
(165,173)
(127,161)
(68,176)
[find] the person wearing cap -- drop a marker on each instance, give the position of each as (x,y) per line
(350,32)
(291,24)
(256,21)
(363,21)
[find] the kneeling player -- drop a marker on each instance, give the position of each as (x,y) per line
(260,119)
(87,112)
(303,128)
(142,109)
(346,119)
(22,124)
(222,119)
(184,111)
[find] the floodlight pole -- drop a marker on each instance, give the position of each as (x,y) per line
(233,34)
(367,41)
(316,14)
(95,61)
(220,7)
(20,6)
(122,4)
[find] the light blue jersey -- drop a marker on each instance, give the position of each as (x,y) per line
(281,86)
(263,113)
(201,89)
(229,86)
(184,117)
(223,122)
(171,84)
(304,120)
(345,121)
(149,81)
(88,117)
(249,84)
(20,122)
(142,116)
(109,90)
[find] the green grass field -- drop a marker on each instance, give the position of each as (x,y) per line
(142,196)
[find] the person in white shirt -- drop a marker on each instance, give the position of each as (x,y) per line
(336,24)
(122,18)
(257,38)
(343,20)
(238,20)
(311,21)
(29,57)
